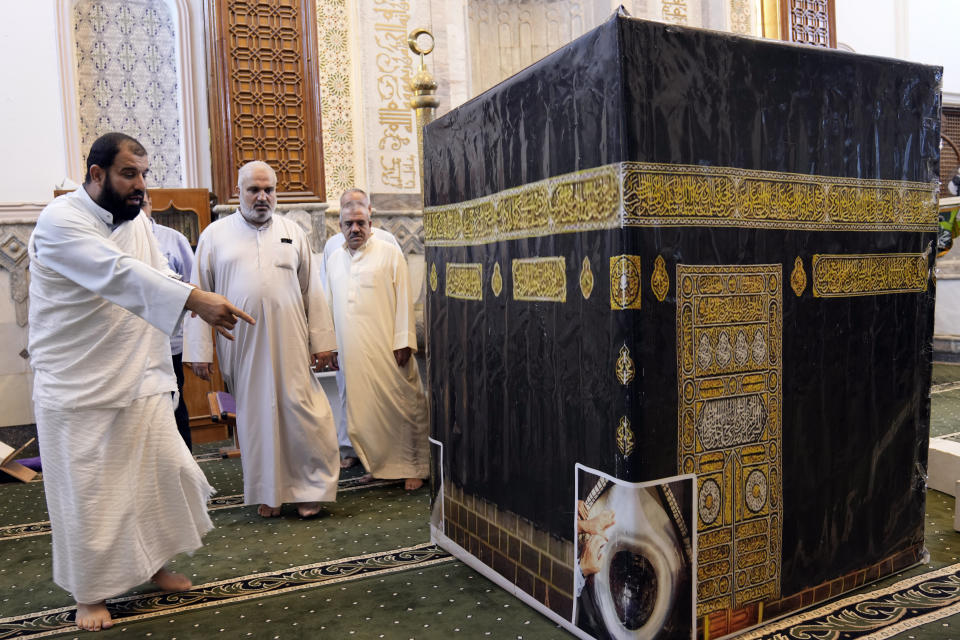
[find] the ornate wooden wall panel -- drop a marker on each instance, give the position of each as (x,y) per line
(809,22)
(264,95)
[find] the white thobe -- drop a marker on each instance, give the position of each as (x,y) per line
(123,492)
(373,316)
(332,244)
(288,440)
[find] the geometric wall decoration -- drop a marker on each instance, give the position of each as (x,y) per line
(729,369)
(128,79)
(336,96)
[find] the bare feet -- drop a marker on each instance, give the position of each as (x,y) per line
(93,617)
(171,581)
(349,461)
(412,484)
(267,511)
(308,509)
(365,478)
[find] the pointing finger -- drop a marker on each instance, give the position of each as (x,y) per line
(243,316)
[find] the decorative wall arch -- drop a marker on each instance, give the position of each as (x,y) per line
(190,142)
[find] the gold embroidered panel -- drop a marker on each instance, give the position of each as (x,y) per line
(659,194)
(464,280)
(729,348)
(540,279)
(869,274)
(646,194)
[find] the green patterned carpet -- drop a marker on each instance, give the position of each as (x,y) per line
(366,569)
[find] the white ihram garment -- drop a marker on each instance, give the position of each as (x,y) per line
(123,492)
(332,244)
(373,316)
(288,441)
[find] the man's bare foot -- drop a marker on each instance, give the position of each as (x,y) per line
(308,509)
(170,580)
(349,461)
(267,511)
(93,617)
(412,484)
(366,478)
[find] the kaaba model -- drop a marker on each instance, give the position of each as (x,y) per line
(680,322)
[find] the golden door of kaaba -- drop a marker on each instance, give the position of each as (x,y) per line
(729,327)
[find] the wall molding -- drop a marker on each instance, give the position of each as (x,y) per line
(66,55)
(20,212)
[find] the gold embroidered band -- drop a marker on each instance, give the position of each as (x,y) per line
(648,194)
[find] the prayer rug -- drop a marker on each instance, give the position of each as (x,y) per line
(217,502)
(873,615)
(151,605)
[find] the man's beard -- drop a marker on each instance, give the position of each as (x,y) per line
(256,216)
(117,204)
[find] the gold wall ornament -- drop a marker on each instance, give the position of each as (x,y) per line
(433,277)
(798,277)
(625,439)
(660,281)
(729,372)
(869,274)
(625,368)
(464,280)
(625,282)
(586,278)
(424,101)
(496,281)
(540,279)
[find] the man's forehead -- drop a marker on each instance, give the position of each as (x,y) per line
(127,158)
(260,176)
(357,212)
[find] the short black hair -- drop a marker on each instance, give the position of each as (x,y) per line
(105,148)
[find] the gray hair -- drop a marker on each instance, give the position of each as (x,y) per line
(351,205)
(345,197)
(246,169)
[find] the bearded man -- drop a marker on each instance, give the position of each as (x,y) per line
(348,455)
(124,494)
(288,441)
(373,314)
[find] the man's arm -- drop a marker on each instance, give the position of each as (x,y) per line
(69,244)
(404,329)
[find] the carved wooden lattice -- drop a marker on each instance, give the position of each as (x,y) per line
(265,102)
(809,21)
